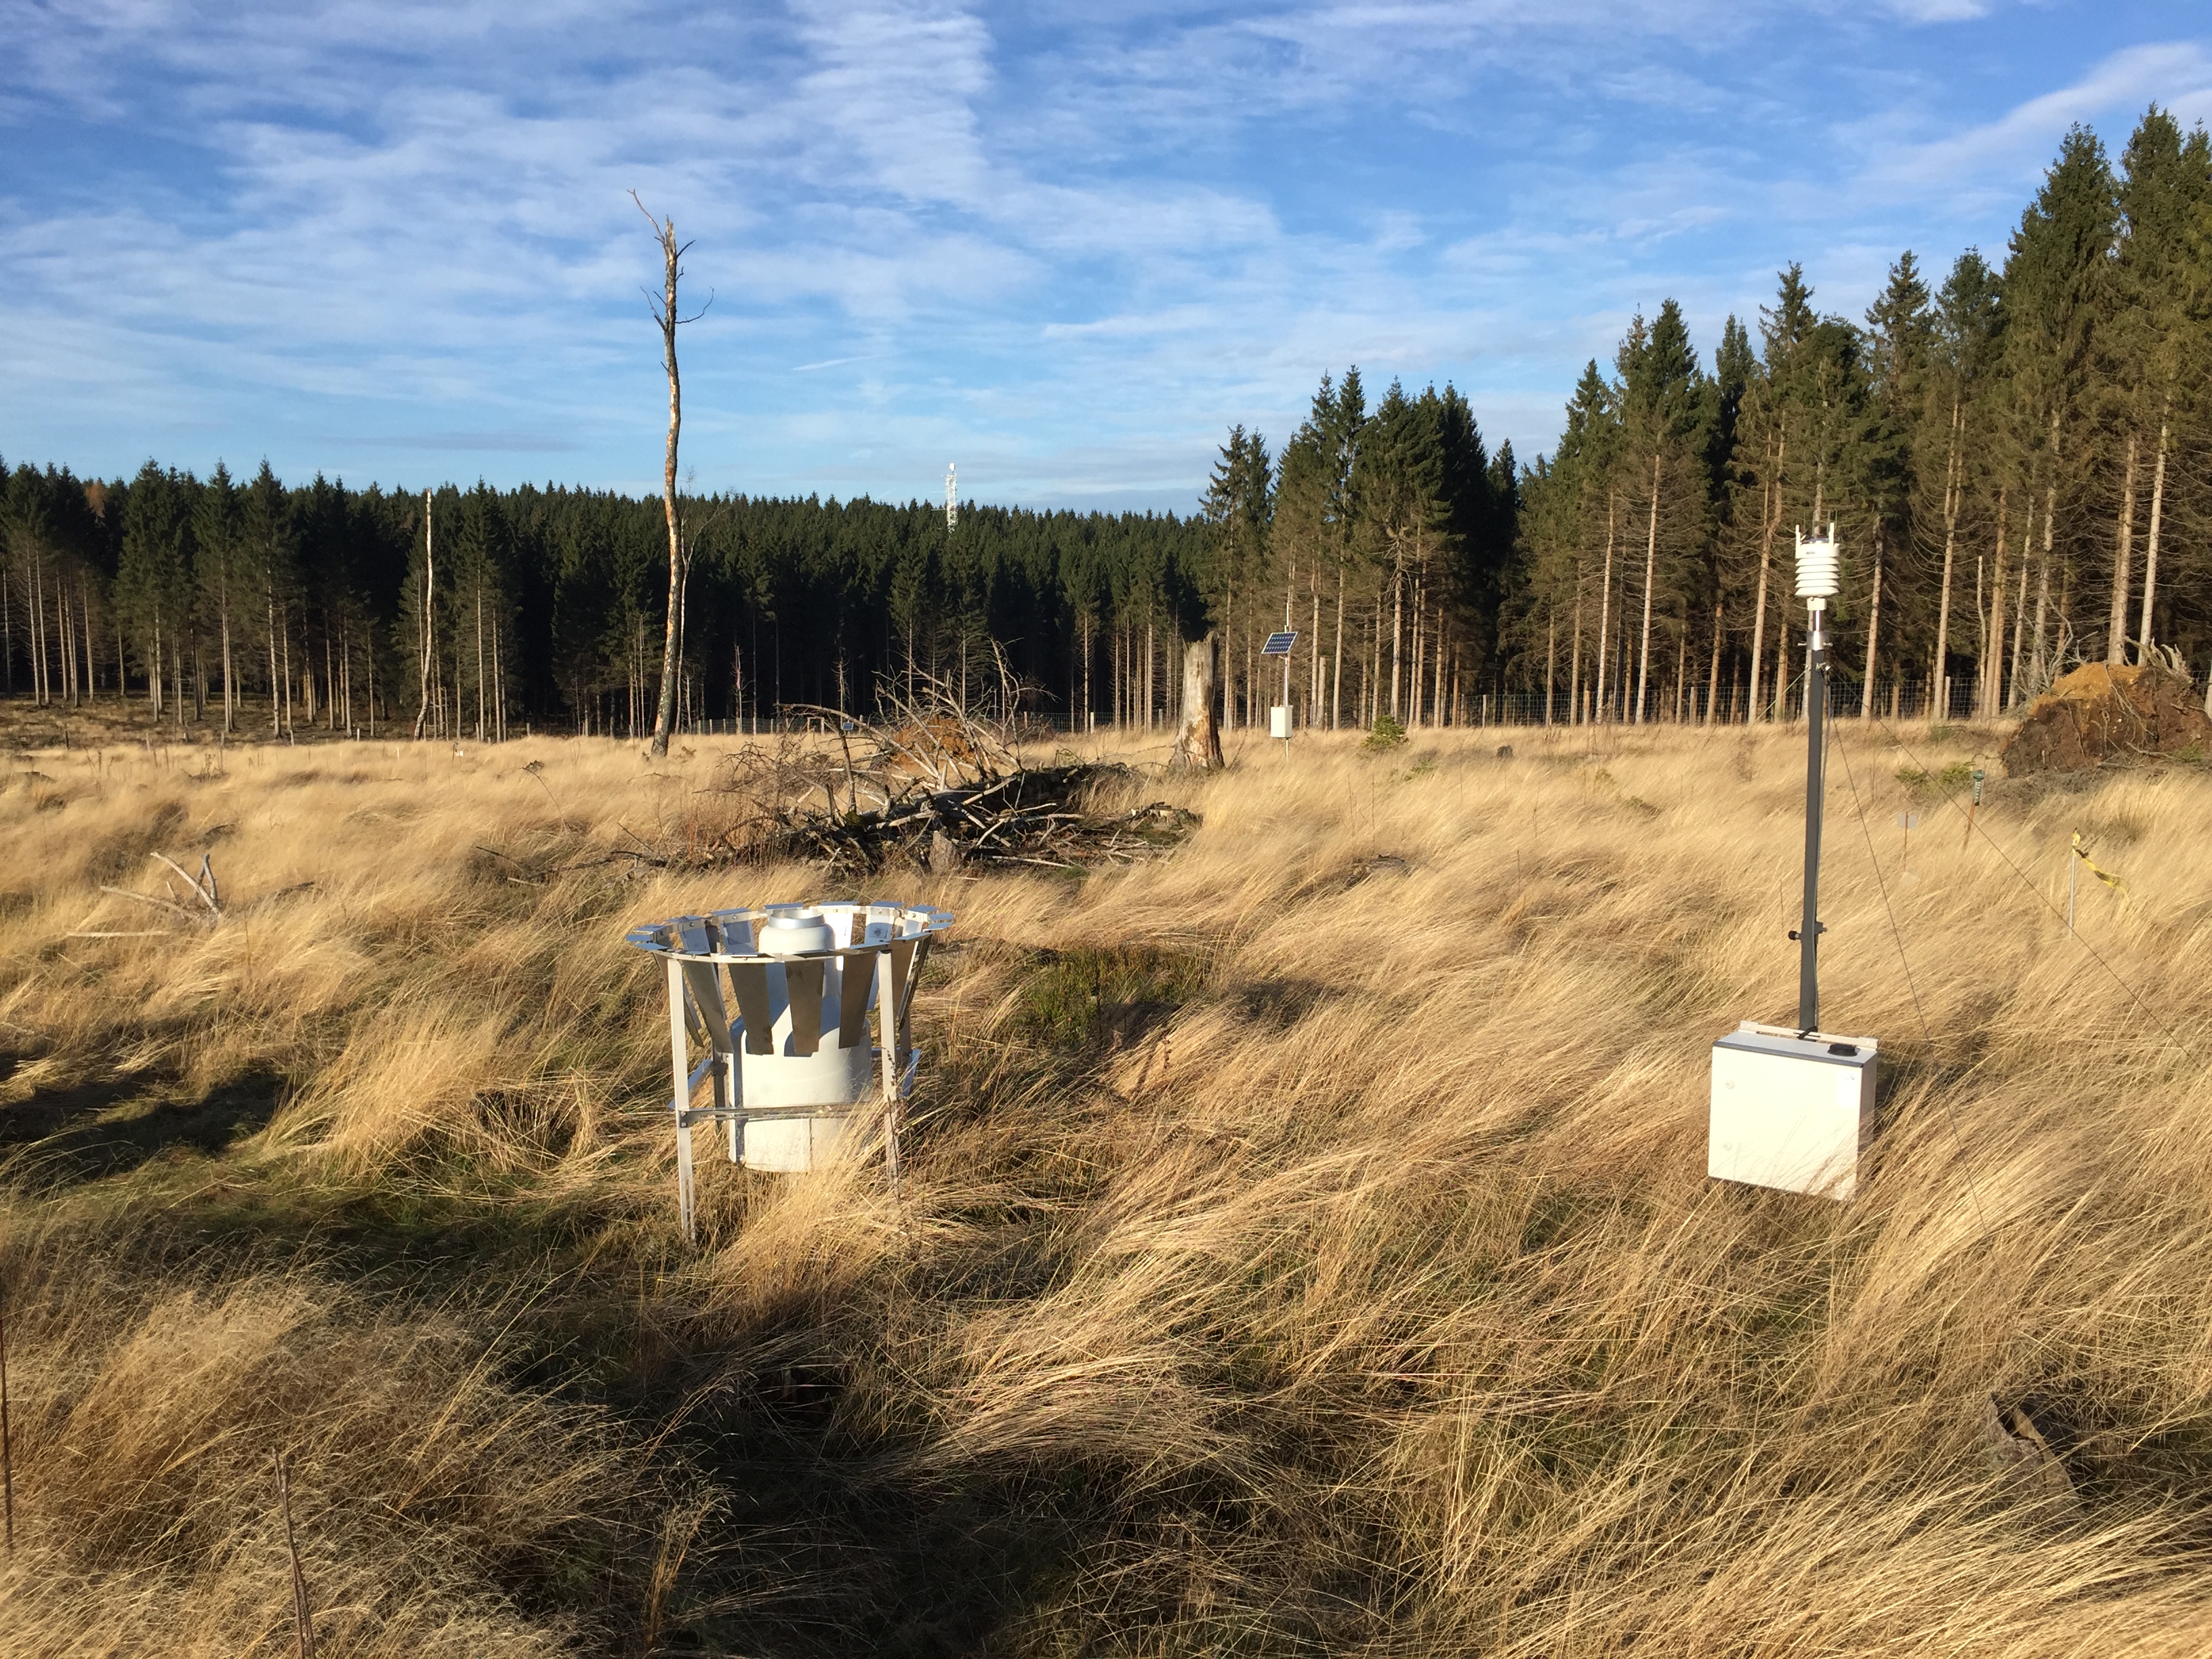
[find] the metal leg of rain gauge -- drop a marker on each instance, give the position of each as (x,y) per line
(887,1035)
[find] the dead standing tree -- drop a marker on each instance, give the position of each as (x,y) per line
(662,307)
(1198,732)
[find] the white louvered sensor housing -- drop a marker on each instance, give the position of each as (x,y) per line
(1819,570)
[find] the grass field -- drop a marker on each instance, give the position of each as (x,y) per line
(1305,1247)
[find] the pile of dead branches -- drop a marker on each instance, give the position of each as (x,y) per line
(932,785)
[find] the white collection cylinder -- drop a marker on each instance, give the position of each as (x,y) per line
(833,1076)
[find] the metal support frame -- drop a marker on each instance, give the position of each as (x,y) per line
(696,953)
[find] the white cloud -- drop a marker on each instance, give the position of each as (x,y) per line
(1043,237)
(2001,154)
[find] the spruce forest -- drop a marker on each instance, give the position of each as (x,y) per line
(2016,456)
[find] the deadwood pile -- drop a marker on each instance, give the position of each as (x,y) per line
(938,791)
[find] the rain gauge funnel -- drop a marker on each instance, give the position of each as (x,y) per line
(1793,1105)
(802,1016)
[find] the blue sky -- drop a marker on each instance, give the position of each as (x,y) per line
(1064,245)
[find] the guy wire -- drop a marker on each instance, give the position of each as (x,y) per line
(1957,1134)
(2134,996)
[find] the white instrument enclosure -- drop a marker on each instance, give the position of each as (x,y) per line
(1792,1110)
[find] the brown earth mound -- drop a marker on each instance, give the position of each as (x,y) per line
(2101,715)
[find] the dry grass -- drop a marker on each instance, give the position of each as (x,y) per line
(1305,1250)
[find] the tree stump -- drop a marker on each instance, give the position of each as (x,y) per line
(1198,731)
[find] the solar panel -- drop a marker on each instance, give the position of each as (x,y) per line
(1278,645)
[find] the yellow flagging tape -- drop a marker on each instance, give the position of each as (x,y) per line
(2105,876)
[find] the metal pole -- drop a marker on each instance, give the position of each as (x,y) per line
(1809,936)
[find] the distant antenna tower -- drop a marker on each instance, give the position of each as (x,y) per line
(951,498)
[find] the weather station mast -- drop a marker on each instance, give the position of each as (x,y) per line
(1793,1106)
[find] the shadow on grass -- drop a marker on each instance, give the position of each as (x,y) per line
(90,1131)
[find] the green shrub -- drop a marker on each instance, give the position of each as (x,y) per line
(1385,735)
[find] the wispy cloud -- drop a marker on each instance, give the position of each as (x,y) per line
(1068,243)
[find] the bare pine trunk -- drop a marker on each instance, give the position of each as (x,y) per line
(2150,548)
(1650,568)
(1336,658)
(1575,660)
(1604,613)
(2124,551)
(1770,520)
(1991,688)
(430,599)
(1413,680)
(1397,634)
(1550,662)
(1782,666)
(1317,684)
(1874,631)
(1942,671)
(665,315)
(1713,683)
(2043,575)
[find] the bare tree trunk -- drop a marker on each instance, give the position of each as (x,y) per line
(1551,661)
(1770,519)
(2150,547)
(1650,568)
(1604,612)
(1951,492)
(664,315)
(429,600)
(1419,662)
(1198,733)
(2123,552)
(1713,684)
(2020,613)
(1874,630)
(37,587)
(1439,712)
(1151,653)
(1781,665)
(1336,657)
(1990,691)
(1397,633)
(229,671)
(1575,658)
(1315,684)
(2043,575)
(276,689)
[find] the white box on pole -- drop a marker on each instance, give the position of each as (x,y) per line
(1278,722)
(1790,1110)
